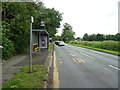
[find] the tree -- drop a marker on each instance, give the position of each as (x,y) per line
(110,37)
(17,16)
(78,39)
(58,38)
(117,37)
(52,20)
(67,33)
(100,37)
(92,37)
(86,37)
(16,22)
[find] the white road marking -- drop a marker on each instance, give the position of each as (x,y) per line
(59,59)
(61,62)
(106,69)
(87,55)
(114,67)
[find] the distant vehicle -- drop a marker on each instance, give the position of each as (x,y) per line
(61,43)
(56,42)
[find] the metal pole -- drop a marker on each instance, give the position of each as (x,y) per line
(30,66)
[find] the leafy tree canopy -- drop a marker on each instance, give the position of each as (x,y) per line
(16,22)
(101,37)
(67,33)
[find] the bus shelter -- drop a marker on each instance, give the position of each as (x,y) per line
(40,39)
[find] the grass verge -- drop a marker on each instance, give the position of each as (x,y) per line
(24,79)
(51,46)
(103,50)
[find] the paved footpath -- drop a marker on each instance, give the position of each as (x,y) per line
(14,65)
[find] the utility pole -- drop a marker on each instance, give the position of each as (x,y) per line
(30,62)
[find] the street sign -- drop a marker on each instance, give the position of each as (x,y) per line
(42,23)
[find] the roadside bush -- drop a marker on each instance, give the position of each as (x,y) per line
(51,46)
(108,45)
(8,48)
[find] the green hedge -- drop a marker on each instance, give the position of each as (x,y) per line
(108,45)
(8,48)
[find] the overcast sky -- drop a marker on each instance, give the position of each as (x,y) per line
(87,16)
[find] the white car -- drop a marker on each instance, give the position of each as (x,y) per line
(61,43)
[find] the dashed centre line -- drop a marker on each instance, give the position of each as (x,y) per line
(87,55)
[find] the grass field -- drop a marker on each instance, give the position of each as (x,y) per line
(106,46)
(24,79)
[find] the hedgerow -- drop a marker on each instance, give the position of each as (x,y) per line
(108,45)
(8,48)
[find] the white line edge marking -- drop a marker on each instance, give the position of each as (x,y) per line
(114,67)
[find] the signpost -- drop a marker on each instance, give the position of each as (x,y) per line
(30,62)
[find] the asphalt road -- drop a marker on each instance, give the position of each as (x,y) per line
(84,68)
